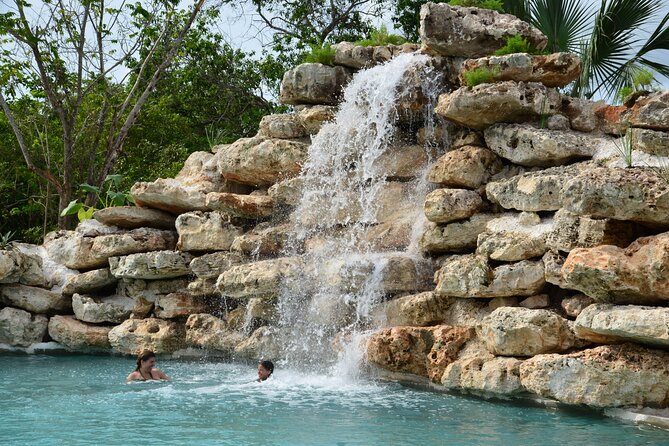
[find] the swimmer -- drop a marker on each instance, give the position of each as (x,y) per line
(146,369)
(265,370)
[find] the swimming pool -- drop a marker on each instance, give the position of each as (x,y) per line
(82,400)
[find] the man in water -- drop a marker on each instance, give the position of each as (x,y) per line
(265,370)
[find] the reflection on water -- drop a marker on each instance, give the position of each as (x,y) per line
(83,400)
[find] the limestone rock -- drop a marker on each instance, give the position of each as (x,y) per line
(258,279)
(287,192)
(486,104)
(89,281)
(553,262)
(20,328)
(313,83)
(387,236)
(458,236)
(176,305)
(402,162)
(471,276)
(203,287)
(423,351)
(446,205)
(470,32)
(211,333)
(214,264)
(79,336)
(552,70)
(282,126)
(243,206)
(534,191)
(650,112)
(205,231)
(494,376)
(264,239)
(606,376)
(114,309)
(529,146)
(186,192)
(650,141)
(515,237)
(261,162)
(638,194)
(11,263)
(518,331)
(499,302)
(151,265)
(581,114)
(313,117)
(536,302)
(637,274)
(468,167)
(429,309)
(132,217)
(158,335)
(261,344)
(574,305)
(610,324)
(77,252)
(35,300)
(356,56)
(581,231)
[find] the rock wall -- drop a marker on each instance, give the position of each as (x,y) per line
(550,255)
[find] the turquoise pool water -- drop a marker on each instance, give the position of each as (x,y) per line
(82,400)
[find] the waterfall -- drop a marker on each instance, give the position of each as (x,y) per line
(323,311)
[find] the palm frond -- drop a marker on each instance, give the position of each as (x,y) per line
(564,22)
(519,8)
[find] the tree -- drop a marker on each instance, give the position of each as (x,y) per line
(71,58)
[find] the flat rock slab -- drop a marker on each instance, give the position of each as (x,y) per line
(89,281)
(609,324)
(468,167)
(471,32)
(425,309)
(552,70)
(211,333)
(313,83)
(214,264)
(79,336)
(282,126)
(243,206)
(35,300)
(354,56)
(205,231)
(112,309)
(131,217)
(529,146)
(157,335)
(264,240)
(516,237)
(487,104)
(606,376)
(649,112)
(459,236)
(20,328)
(179,305)
(151,265)
(258,279)
(447,205)
(650,141)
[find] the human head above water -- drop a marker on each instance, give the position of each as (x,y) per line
(265,369)
(144,356)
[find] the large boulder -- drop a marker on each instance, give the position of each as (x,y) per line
(355,56)
(20,328)
(211,333)
(639,194)
(261,162)
(11,266)
(517,237)
(650,141)
(214,264)
(282,126)
(650,112)
(35,300)
(179,305)
(205,231)
(468,167)
(606,376)
(637,274)
(527,145)
(313,83)
(459,236)
(486,104)
(609,324)
(114,309)
(423,351)
(258,279)
(313,117)
(489,376)
(158,335)
(79,336)
(145,292)
(534,191)
(132,217)
(264,240)
(446,205)
(471,32)
(262,343)
(552,70)
(254,206)
(83,253)
(518,331)
(471,276)
(151,265)
(427,308)
(89,281)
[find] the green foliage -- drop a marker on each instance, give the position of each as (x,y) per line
(625,147)
(108,196)
(381,37)
(517,44)
(495,5)
(480,75)
(623,93)
(321,54)
(7,239)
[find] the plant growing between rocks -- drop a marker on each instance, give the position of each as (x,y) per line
(108,196)
(495,5)
(380,37)
(7,240)
(625,147)
(641,80)
(324,54)
(480,75)
(517,44)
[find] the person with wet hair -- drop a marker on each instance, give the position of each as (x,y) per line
(146,368)
(265,370)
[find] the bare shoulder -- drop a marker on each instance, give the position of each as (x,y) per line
(157,373)
(134,376)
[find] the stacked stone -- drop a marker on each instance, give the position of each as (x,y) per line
(554,259)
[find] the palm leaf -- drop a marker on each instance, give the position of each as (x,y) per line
(564,22)
(519,8)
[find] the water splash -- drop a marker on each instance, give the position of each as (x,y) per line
(344,183)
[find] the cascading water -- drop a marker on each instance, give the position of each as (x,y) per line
(343,182)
